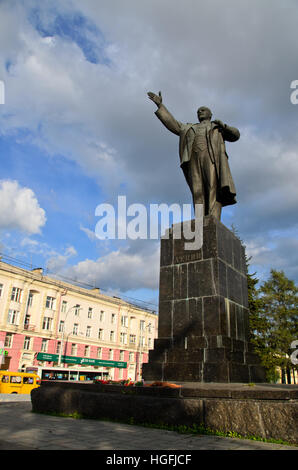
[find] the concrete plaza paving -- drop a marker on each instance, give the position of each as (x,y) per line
(20,429)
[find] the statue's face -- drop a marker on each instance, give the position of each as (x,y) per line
(204,113)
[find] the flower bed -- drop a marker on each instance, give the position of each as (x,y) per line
(130,383)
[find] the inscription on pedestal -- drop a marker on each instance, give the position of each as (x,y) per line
(187,257)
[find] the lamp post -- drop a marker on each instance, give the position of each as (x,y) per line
(62,339)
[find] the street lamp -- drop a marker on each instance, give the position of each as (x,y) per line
(63,330)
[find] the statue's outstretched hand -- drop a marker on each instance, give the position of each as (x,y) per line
(157,99)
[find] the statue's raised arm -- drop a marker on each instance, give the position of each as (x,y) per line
(164,115)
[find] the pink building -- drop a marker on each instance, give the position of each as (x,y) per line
(72,327)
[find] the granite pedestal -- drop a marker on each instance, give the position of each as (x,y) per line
(203,332)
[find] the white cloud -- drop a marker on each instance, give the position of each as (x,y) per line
(277,252)
(28,242)
(70,251)
(58,262)
(90,234)
(20,209)
(121,270)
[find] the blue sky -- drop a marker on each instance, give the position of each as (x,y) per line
(71,26)
(77,128)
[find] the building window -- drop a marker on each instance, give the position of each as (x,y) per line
(149,328)
(120,374)
(112,336)
(87,351)
(47,323)
(100,333)
(75,329)
(58,347)
(110,354)
(121,356)
(50,302)
(44,345)
(131,357)
(13,317)
(149,343)
(99,353)
(1,289)
(90,310)
(101,315)
(26,322)
(16,294)
(142,325)
(61,326)
(8,340)
(113,318)
(77,310)
(30,299)
(27,343)
(124,320)
(73,350)
(132,339)
(142,341)
(63,306)
(123,338)
(88,331)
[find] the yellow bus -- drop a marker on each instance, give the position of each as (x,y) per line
(18,382)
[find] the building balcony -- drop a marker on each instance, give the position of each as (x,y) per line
(28,327)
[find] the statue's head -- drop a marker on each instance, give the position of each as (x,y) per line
(204,114)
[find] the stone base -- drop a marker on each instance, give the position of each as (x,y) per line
(266,411)
(203,327)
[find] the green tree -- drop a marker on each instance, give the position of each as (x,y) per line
(259,324)
(274,322)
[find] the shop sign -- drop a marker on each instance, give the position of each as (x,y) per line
(3,353)
(80,360)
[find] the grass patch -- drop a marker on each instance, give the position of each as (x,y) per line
(203,430)
(74,415)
